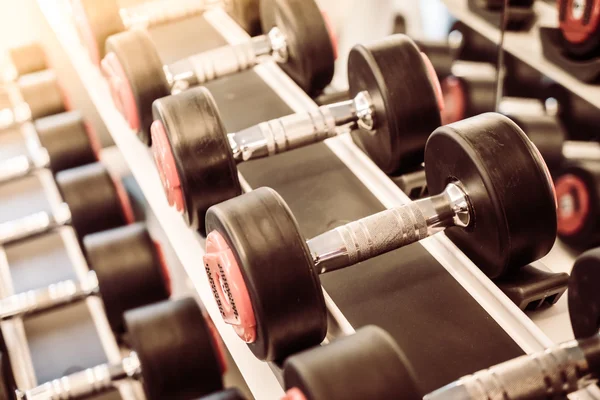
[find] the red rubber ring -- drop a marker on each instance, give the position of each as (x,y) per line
(228,287)
(294,394)
(164,269)
(93,138)
(84,29)
(217,345)
(120,90)
(454,98)
(434,81)
(165,163)
(124,201)
(332,35)
(574,200)
(573,27)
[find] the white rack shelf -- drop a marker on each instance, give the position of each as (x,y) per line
(527,45)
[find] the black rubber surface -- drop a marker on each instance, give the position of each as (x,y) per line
(28,58)
(441,54)
(66,139)
(7,380)
(144,70)
(128,268)
(42,93)
(472,151)
(247,14)
(479,94)
(365,365)
(392,71)
(92,198)
(229,394)
(584,296)
(175,347)
(278,271)
(202,153)
(311,54)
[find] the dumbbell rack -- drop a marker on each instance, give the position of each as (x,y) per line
(263,379)
(526,45)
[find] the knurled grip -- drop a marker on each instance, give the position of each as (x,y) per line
(298,130)
(549,375)
(382,232)
(223,61)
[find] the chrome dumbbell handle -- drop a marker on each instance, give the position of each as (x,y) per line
(389,230)
(84,383)
(156,12)
(54,295)
(22,165)
(551,374)
(33,224)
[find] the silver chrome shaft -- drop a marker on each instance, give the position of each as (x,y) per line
(55,295)
(550,374)
(390,229)
(226,60)
(33,224)
(85,383)
(23,165)
(301,129)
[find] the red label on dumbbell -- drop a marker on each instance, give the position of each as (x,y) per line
(165,163)
(454,99)
(120,90)
(228,287)
(332,35)
(573,204)
(579,19)
(435,82)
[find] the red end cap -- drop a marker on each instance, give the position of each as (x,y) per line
(165,163)
(435,82)
(124,201)
(294,394)
(228,287)
(217,345)
(573,25)
(332,35)
(454,99)
(573,204)
(164,269)
(120,90)
(84,28)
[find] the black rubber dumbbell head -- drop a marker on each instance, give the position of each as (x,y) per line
(579,24)
(405,96)
(42,93)
(228,394)
(247,14)
(7,379)
(310,47)
(136,77)
(193,154)
(584,296)
(68,139)
(466,96)
(578,194)
(512,199)
(276,268)
(28,58)
(96,21)
(97,201)
(365,365)
(177,349)
(130,268)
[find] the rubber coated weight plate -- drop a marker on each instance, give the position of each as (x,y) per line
(580,26)
(277,269)
(176,349)
(198,142)
(28,59)
(499,4)
(96,21)
(508,186)
(67,140)
(394,74)
(311,53)
(365,365)
(130,270)
(584,296)
(578,194)
(42,93)
(93,198)
(7,380)
(247,14)
(229,394)
(138,77)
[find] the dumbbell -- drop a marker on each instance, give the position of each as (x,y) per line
(92,201)
(578,193)
(297,38)
(395,104)
(265,276)
(579,23)
(23,60)
(228,394)
(33,96)
(175,353)
(97,20)
(127,270)
(584,297)
(61,141)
